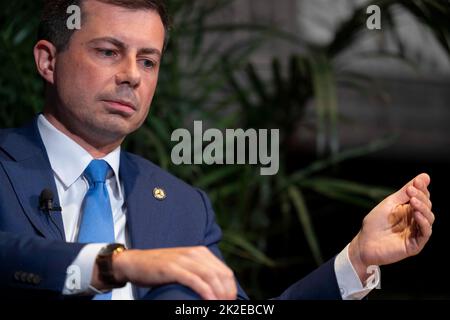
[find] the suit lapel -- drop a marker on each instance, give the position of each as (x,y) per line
(29,174)
(148,219)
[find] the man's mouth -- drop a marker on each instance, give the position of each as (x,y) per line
(121,106)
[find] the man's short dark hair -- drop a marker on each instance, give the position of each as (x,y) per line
(53,24)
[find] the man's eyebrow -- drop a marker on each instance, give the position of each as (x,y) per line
(150,51)
(123,46)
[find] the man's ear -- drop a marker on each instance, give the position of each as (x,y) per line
(45,58)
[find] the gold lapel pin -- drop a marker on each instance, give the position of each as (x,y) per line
(159,194)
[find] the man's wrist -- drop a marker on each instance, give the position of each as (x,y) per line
(120,266)
(354,255)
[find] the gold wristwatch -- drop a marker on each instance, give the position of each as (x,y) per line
(104,264)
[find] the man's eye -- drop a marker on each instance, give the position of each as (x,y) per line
(107,52)
(149,64)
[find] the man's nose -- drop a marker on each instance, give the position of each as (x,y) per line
(129,73)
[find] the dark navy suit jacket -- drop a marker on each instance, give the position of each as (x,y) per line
(34,254)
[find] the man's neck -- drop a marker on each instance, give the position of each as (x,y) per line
(97,151)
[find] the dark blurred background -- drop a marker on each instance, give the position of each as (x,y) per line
(360,113)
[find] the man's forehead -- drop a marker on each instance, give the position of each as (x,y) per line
(114,14)
(97,6)
(133,27)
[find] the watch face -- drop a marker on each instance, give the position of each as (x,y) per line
(110,248)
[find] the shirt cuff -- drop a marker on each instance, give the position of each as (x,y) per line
(79,273)
(348,280)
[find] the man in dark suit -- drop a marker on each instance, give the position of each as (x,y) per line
(125,224)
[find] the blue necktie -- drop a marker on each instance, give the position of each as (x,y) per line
(97,225)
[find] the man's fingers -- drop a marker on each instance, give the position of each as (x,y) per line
(414,192)
(424,226)
(422,182)
(225,274)
(196,283)
(231,286)
(213,271)
(226,277)
(423,209)
(401,196)
(210,275)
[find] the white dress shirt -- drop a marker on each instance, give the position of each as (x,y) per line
(69,160)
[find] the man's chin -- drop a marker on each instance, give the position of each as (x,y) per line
(117,128)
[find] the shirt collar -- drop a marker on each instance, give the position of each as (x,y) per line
(67,158)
